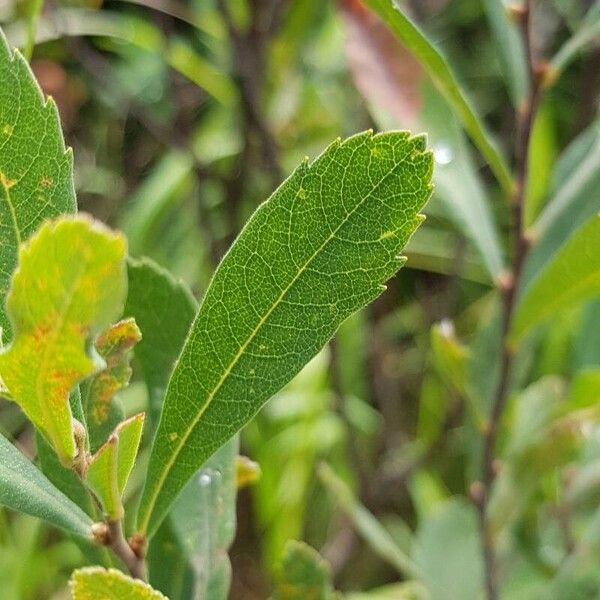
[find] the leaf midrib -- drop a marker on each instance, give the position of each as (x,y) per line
(242,349)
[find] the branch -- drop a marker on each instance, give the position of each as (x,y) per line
(508,285)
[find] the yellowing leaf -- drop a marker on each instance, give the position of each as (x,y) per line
(95,583)
(103,411)
(69,286)
(110,467)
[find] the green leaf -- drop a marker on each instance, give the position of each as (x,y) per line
(75,270)
(586,34)
(304,575)
(203,519)
(447,550)
(312,255)
(572,276)
(542,156)
(573,198)
(164,310)
(36,171)
(102,478)
(437,68)
(369,528)
(103,411)
(458,183)
(25,489)
(110,467)
(509,45)
(95,583)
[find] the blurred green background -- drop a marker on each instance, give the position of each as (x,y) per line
(185,114)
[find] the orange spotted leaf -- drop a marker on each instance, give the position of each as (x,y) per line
(68,287)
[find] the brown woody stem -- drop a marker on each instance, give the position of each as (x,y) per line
(508,285)
(118,544)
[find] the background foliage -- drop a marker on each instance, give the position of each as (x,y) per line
(184,116)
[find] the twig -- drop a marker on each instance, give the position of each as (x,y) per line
(508,285)
(118,544)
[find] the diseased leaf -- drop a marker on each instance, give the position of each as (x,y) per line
(304,575)
(164,309)
(75,270)
(103,411)
(25,489)
(317,251)
(572,276)
(110,467)
(36,171)
(442,76)
(95,583)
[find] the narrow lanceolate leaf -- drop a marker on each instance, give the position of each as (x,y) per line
(36,171)
(103,411)
(164,309)
(303,575)
(95,583)
(102,478)
(24,488)
(316,252)
(438,69)
(572,276)
(110,467)
(69,286)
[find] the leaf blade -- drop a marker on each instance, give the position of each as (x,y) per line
(95,583)
(25,489)
(110,467)
(75,271)
(328,245)
(164,309)
(31,189)
(303,574)
(103,411)
(571,276)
